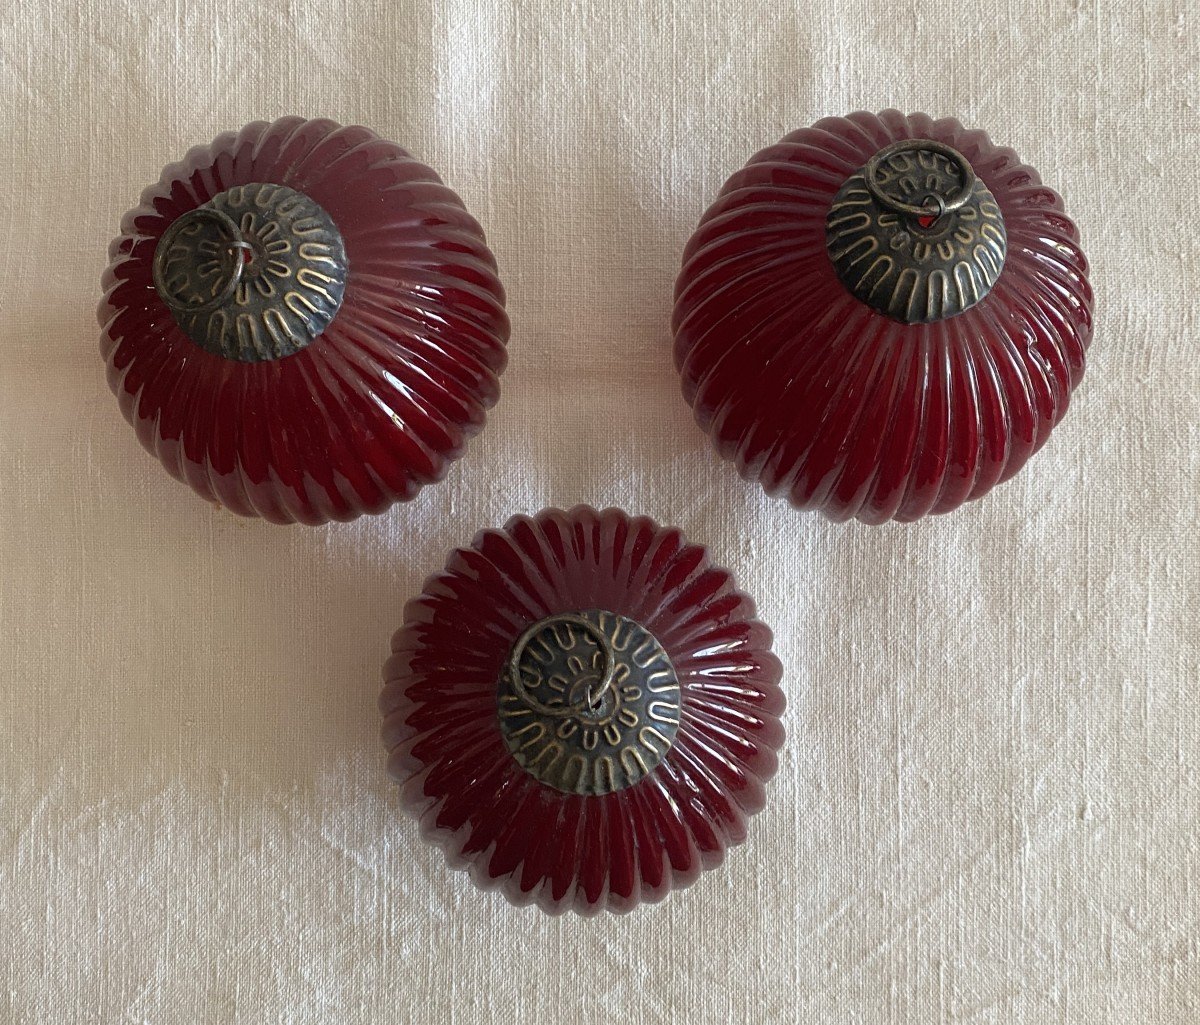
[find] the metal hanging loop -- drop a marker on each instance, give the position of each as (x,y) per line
(162,256)
(947,203)
(592,696)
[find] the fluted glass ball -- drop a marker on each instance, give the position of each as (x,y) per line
(302,322)
(882,316)
(583,710)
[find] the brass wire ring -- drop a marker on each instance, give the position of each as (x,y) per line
(949,203)
(564,710)
(181,223)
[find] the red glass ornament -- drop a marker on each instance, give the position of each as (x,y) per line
(253,413)
(827,399)
(499,673)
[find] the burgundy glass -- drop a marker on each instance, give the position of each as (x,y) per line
(583,710)
(321,332)
(835,377)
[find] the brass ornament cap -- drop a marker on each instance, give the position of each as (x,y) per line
(589,702)
(255,273)
(915,234)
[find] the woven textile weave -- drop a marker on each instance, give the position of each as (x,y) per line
(989,797)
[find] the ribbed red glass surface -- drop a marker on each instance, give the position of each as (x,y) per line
(375,407)
(538,844)
(839,408)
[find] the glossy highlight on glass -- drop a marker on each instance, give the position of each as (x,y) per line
(387,394)
(500,806)
(839,407)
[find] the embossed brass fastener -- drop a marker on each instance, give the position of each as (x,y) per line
(256,273)
(915,234)
(591,696)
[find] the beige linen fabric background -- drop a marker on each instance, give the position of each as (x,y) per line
(989,802)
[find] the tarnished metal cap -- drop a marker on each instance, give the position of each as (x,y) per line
(589,702)
(915,234)
(256,273)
